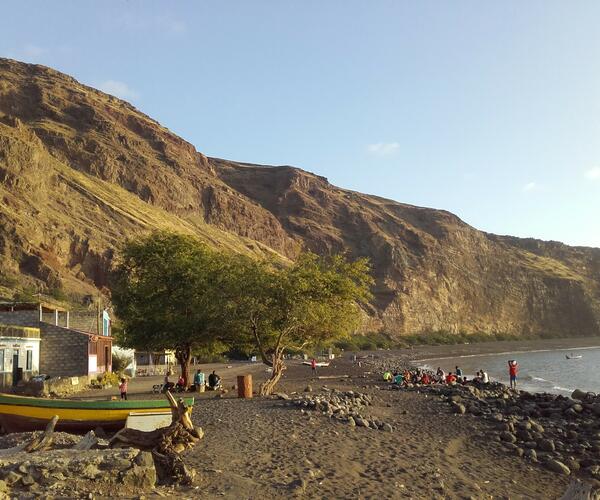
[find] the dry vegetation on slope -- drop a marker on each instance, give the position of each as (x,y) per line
(81,170)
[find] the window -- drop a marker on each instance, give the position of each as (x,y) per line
(1,360)
(29,362)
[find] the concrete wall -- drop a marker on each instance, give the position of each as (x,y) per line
(63,352)
(20,318)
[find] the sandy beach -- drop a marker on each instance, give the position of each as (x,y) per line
(264,447)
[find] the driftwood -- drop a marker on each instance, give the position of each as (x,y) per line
(166,443)
(87,442)
(38,443)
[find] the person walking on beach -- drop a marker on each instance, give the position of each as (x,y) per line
(513,370)
(123,388)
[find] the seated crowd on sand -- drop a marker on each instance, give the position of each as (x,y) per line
(419,376)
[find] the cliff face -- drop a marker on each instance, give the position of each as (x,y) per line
(80,171)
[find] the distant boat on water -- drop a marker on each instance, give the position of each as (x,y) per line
(573,356)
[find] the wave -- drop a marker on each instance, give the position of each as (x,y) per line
(563,389)
(539,379)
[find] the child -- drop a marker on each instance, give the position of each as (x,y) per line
(123,388)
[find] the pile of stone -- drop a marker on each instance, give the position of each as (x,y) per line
(562,433)
(63,471)
(345,406)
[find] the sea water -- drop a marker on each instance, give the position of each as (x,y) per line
(539,371)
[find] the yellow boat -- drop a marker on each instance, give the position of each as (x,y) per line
(22,413)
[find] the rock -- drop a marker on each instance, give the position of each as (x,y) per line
(308,388)
(579,394)
(144,459)
(546,445)
(572,464)
(530,454)
(558,467)
(458,408)
(596,409)
(12,477)
(387,428)
(27,480)
(577,407)
(138,477)
(282,395)
(508,437)
(351,422)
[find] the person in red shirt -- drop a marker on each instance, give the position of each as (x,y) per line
(313,366)
(450,378)
(513,370)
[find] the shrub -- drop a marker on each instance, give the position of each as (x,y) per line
(108,379)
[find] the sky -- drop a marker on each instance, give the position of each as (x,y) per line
(490,110)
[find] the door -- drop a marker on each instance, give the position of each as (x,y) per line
(106,358)
(15,367)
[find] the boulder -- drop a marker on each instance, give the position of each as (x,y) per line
(546,445)
(508,437)
(579,394)
(557,467)
(530,454)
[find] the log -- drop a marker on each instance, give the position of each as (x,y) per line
(166,443)
(87,442)
(38,443)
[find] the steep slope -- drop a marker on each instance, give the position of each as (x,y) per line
(80,171)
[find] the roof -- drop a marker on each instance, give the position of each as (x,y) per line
(30,306)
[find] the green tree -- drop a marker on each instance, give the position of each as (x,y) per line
(167,294)
(311,302)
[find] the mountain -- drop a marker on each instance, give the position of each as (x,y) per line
(81,170)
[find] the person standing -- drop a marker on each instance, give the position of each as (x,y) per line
(459,372)
(123,388)
(313,366)
(513,370)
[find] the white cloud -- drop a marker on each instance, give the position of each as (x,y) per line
(118,89)
(383,148)
(530,187)
(593,174)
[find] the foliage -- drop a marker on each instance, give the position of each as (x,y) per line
(366,342)
(120,362)
(108,378)
(167,293)
(311,302)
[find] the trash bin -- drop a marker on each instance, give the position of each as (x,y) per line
(244,384)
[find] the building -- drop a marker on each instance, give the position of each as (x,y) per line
(19,353)
(154,362)
(70,343)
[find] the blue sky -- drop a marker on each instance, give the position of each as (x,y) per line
(489,110)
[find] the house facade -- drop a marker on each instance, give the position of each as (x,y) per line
(19,353)
(70,343)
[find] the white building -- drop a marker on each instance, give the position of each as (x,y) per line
(19,353)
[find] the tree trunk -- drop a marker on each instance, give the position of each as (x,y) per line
(184,356)
(278,366)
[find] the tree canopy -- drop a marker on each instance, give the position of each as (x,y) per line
(167,295)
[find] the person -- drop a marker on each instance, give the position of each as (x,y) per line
(214,381)
(459,372)
(180,386)
(425,379)
(484,377)
(440,375)
(450,378)
(313,366)
(123,388)
(199,381)
(167,385)
(398,378)
(513,370)
(387,376)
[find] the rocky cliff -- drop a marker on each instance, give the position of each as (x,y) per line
(81,170)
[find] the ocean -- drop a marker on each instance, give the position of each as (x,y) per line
(539,371)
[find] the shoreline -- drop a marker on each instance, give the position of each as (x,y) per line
(450,351)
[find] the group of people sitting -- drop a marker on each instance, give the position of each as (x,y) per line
(426,377)
(199,385)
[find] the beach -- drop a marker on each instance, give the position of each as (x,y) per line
(273,447)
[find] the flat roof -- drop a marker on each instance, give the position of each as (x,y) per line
(30,306)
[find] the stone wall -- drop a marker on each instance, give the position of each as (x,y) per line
(63,352)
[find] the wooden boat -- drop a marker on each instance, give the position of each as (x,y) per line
(22,413)
(574,356)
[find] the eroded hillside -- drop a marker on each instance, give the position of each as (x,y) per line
(80,171)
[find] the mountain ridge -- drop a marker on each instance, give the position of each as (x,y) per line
(81,170)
